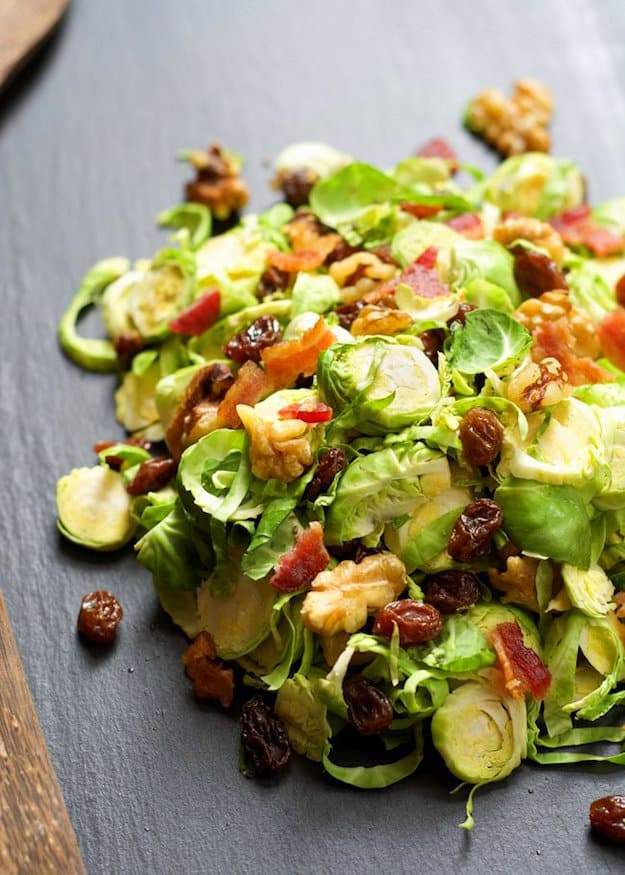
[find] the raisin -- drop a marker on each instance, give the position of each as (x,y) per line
(384,253)
(347,313)
(263,739)
(272,280)
(481,435)
(451,591)
(416,622)
(127,346)
(607,818)
(152,475)
(247,345)
(461,316)
(473,532)
(99,617)
(354,551)
(341,250)
(432,341)
(297,185)
(619,291)
(211,679)
(369,710)
(330,464)
(536,273)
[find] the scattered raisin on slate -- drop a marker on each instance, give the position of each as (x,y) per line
(99,617)
(607,818)
(265,745)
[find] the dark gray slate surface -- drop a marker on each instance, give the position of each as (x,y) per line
(86,160)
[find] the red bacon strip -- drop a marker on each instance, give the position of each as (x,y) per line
(554,340)
(577,228)
(420,211)
(523,670)
(439,148)
(199,317)
(611,334)
(469,225)
(299,567)
(294,261)
(307,411)
(250,386)
(422,278)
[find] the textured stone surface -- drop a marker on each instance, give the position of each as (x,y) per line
(87,141)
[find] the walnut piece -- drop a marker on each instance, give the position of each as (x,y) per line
(513,125)
(359,273)
(554,305)
(538,385)
(517,582)
(380,320)
(218,184)
(280,449)
(340,599)
(308,235)
(534,231)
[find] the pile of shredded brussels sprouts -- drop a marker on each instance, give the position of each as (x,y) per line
(214,535)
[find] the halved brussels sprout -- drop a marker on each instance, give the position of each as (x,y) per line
(93,508)
(611,215)
(164,289)
(233,263)
(412,241)
(487,615)
(114,304)
(387,384)
(535,184)
(480,731)
(589,589)
(135,399)
(484,260)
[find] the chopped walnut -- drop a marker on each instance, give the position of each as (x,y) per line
(380,320)
(218,184)
(534,231)
(211,679)
(619,601)
(280,449)
(513,125)
(341,599)
(554,305)
(359,273)
(307,234)
(538,385)
(517,582)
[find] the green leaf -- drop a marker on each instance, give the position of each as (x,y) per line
(313,293)
(275,536)
(461,647)
(378,776)
(169,551)
(193,218)
(488,339)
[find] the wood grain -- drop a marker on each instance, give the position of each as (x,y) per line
(24,24)
(36,835)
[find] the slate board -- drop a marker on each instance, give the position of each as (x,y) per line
(87,141)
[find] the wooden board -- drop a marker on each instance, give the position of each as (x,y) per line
(36,835)
(24,24)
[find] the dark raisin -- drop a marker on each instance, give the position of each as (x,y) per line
(451,591)
(619,291)
(354,551)
(347,313)
(272,280)
(607,818)
(461,316)
(215,381)
(304,382)
(341,250)
(416,622)
(369,710)
(152,475)
(247,345)
(432,341)
(211,679)
(384,253)
(99,617)
(473,532)
(263,739)
(330,463)
(297,185)
(536,273)
(481,435)
(127,346)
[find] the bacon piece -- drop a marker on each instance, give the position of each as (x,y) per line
(284,362)
(307,558)
(577,228)
(307,411)
(422,278)
(428,257)
(611,334)
(211,679)
(291,262)
(523,670)
(420,211)
(554,340)
(439,148)
(197,318)
(469,225)
(250,386)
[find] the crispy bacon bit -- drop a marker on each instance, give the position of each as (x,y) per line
(523,670)
(299,567)
(211,679)
(285,361)
(197,318)
(619,291)
(577,228)
(420,211)
(152,475)
(554,340)
(127,346)
(439,148)
(611,333)
(291,262)
(422,278)
(469,225)
(307,411)
(250,386)
(428,258)
(218,185)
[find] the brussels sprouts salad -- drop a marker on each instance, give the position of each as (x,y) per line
(388,490)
